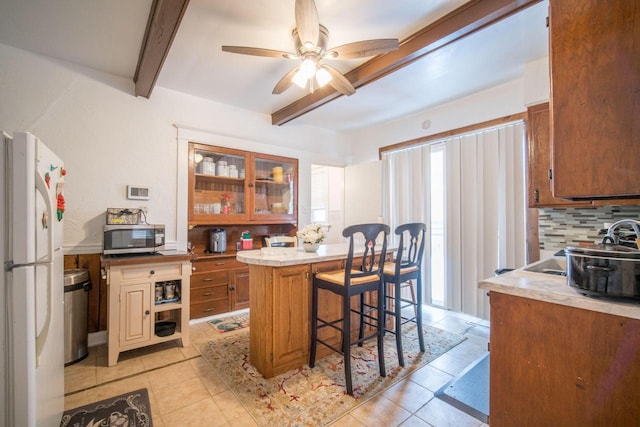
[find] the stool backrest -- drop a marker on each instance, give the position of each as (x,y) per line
(374,252)
(287,241)
(411,246)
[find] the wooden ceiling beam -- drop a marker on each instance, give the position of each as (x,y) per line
(164,19)
(463,21)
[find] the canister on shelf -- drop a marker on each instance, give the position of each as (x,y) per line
(278,174)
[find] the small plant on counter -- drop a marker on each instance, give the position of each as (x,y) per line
(311,233)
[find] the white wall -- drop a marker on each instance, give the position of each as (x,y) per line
(363,193)
(109,138)
(486,105)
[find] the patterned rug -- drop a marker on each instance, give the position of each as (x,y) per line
(315,397)
(230,323)
(130,409)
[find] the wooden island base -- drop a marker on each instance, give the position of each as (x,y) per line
(280,308)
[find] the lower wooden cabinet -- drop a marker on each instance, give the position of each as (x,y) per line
(554,365)
(218,285)
(148,304)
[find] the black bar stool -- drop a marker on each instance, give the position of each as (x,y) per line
(406,268)
(351,281)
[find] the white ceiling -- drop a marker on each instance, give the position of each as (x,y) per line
(106,35)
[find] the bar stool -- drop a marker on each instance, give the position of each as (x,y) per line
(353,281)
(406,268)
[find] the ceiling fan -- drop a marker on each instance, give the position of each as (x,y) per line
(310,41)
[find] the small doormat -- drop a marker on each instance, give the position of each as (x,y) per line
(130,409)
(230,323)
(469,391)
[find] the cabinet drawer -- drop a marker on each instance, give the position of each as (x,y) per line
(156,271)
(210,278)
(216,264)
(209,293)
(209,308)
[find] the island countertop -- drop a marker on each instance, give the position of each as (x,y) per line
(555,289)
(281,257)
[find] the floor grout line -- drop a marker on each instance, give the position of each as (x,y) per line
(71,393)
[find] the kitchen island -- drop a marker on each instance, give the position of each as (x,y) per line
(559,357)
(280,304)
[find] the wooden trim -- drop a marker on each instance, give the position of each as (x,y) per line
(164,19)
(454,132)
(463,21)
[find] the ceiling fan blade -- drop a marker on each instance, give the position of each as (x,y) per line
(256,51)
(307,22)
(362,48)
(339,82)
(285,82)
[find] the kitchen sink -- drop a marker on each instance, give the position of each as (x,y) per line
(555,266)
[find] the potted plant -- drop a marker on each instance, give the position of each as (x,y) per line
(311,235)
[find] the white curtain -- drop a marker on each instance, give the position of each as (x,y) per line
(484,207)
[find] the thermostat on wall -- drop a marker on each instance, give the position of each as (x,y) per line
(135,192)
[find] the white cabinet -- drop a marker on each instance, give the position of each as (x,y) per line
(146,300)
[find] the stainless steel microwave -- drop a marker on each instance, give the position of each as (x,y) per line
(126,238)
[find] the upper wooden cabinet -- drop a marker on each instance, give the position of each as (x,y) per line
(229,186)
(595,98)
(539,161)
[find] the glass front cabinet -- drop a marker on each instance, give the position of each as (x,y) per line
(229,186)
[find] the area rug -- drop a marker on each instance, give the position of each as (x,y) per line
(230,323)
(316,397)
(130,409)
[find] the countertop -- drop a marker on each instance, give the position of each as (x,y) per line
(281,257)
(554,289)
(107,261)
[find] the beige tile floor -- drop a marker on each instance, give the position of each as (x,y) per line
(184,392)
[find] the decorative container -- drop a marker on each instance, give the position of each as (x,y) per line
(310,247)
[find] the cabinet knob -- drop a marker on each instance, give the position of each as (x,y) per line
(152,272)
(232,287)
(206,294)
(147,312)
(193,268)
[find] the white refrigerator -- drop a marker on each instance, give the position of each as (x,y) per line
(32,289)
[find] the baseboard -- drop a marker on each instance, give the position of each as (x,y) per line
(217,316)
(97,338)
(101,337)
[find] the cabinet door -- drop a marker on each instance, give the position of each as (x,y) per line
(290,315)
(274,188)
(595,103)
(217,185)
(539,160)
(135,313)
(239,289)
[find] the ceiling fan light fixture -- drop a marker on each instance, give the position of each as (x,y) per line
(323,77)
(300,79)
(308,68)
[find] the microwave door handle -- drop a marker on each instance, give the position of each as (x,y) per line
(41,337)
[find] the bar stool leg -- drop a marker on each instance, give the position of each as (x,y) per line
(381,326)
(346,342)
(418,308)
(314,327)
(397,309)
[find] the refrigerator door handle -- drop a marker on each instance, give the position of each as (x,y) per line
(41,187)
(41,337)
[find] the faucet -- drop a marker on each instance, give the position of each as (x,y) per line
(611,231)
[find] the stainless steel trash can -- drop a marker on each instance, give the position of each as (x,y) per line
(76,305)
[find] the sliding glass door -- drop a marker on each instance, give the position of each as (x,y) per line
(470,191)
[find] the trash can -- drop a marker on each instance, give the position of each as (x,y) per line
(76,305)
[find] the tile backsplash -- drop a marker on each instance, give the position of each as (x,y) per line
(561,227)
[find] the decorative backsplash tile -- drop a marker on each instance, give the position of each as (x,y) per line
(561,227)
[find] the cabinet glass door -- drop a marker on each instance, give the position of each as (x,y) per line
(275,192)
(218,185)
